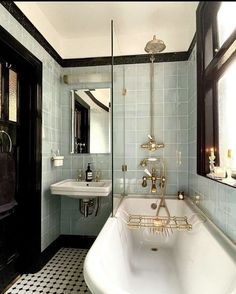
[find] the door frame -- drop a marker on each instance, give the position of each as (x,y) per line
(30,223)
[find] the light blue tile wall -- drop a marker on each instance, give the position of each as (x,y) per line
(132,118)
(218,200)
(51,135)
(72,222)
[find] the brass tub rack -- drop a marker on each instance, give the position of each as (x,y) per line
(164,225)
(158,223)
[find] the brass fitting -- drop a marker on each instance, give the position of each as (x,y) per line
(144,183)
(162,182)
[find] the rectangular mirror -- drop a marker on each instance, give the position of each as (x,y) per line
(91,120)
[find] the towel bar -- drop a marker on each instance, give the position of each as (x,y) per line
(9,138)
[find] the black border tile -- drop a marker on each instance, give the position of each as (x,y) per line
(93,61)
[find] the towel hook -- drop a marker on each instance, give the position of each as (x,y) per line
(9,138)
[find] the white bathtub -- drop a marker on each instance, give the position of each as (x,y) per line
(121,261)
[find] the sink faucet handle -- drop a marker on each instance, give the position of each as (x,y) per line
(80,175)
(97,175)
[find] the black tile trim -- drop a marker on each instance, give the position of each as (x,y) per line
(48,253)
(76,241)
(90,61)
(13,9)
(93,61)
(125,59)
(194,41)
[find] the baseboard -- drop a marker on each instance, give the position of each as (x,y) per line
(7,275)
(48,253)
(69,241)
(77,241)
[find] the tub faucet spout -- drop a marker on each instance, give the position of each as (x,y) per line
(154,187)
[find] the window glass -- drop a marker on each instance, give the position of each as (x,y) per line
(226,21)
(12,95)
(227,117)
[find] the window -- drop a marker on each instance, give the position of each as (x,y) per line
(13,88)
(216,66)
(227,115)
(8,92)
(226,21)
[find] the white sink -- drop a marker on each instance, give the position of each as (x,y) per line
(75,189)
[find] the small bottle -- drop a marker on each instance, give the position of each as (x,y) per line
(89,174)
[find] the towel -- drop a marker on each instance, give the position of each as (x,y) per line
(7,182)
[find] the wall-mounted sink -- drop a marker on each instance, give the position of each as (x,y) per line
(75,189)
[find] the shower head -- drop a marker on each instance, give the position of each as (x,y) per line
(154,46)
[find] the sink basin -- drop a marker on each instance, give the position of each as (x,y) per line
(75,189)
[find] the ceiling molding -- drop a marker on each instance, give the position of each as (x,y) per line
(91,61)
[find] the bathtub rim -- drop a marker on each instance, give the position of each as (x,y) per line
(92,275)
(95,277)
(222,238)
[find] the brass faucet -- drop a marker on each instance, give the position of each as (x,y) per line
(153,177)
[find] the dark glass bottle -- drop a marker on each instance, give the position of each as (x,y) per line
(89,174)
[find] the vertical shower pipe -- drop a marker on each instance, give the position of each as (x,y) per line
(152,58)
(124,129)
(112,134)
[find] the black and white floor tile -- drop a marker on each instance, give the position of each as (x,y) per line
(63,274)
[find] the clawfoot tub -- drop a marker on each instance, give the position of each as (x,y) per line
(140,261)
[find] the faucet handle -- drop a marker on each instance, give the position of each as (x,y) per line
(162,183)
(97,175)
(144,183)
(80,175)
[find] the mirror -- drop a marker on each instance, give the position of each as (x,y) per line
(90,120)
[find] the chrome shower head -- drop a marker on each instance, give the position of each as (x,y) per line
(154,46)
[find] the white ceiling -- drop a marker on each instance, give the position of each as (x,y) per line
(83,29)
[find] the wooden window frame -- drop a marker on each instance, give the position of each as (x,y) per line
(207,78)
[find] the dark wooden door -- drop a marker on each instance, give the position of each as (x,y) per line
(21,120)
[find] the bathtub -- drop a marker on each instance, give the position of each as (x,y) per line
(136,261)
